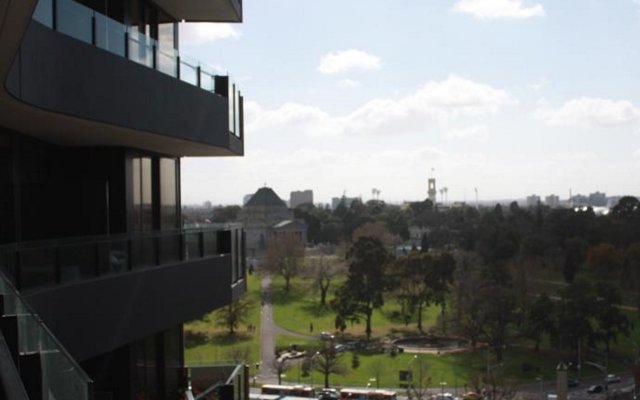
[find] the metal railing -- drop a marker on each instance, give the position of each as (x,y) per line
(61,376)
(83,23)
(38,264)
(224,381)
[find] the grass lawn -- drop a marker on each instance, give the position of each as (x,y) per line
(300,307)
(211,343)
(457,370)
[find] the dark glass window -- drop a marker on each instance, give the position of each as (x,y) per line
(173,360)
(168,194)
(142,193)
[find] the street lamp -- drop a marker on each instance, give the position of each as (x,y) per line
(442,385)
(539,379)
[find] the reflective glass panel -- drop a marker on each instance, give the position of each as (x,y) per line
(110,35)
(75,20)
(44,12)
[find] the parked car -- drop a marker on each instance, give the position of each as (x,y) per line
(572,383)
(327,336)
(595,389)
(611,378)
(328,394)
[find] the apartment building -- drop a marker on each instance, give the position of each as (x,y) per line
(97,106)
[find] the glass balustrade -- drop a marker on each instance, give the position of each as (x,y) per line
(42,264)
(61,376)
(110,35)
(83,23)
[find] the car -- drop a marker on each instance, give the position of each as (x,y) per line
(595,389)
(611,378)
(328,394)
(340,348)
(572,383)
(327,336)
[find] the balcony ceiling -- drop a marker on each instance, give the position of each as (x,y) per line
(203,10)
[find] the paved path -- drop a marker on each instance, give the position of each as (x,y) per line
(269,331)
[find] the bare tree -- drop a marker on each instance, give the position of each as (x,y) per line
(234,314)
(493,386)
(378,369)
(376,230)
(328,361)
(285,252)
(280,365)
(322,270)
(239,354)
(420,379)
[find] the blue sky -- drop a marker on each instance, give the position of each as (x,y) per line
(513,97)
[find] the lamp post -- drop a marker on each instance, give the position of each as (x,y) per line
(442,385)
(539,379)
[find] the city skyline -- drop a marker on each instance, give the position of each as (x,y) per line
(510,97)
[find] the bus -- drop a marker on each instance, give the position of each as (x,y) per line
(367,394)
(286,390)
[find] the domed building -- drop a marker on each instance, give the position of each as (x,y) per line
(266,215)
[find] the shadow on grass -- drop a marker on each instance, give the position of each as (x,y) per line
(316,309)
(194,339)
(280,297)
(397,317)
(223,338)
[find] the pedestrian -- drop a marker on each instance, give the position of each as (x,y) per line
(310,327)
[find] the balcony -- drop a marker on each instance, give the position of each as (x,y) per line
(78,63)
(145,282)
(224,381)
(41,366)
(209,11)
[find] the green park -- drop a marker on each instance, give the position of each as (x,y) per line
(516,289)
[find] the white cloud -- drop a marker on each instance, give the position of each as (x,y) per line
(538,85)
(343,61)
(197,33)
(479,132)
(499,9)
(349,83)
(588,112)
(433,105)
(636,153)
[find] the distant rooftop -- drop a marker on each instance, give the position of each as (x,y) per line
(265,197)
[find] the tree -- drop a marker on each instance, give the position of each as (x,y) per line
(366,281)
(280,365)
(632,264)
(420,379)
(378,369)
(222,214)
(540,319)
(574,317)
(323,270)
(438,280)
(424,243)
(610,319)
(628,207)
(603,259)
(328,361)
(409,275)
(285,253)
(375,230)
(575,250)
(233,314)
(468,294)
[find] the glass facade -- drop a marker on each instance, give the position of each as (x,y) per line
(168,194)
(149,38)
(141,187)
(158,365)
